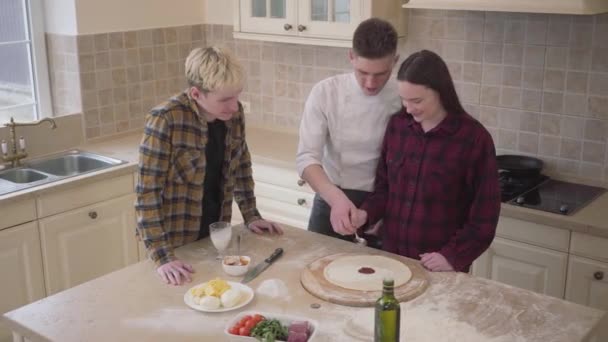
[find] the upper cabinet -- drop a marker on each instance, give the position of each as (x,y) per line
(314,22)
(542,6)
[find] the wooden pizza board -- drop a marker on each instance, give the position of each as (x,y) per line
(313,280)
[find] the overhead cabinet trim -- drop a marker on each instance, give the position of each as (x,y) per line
(539,6)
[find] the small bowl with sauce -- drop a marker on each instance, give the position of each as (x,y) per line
(236,265)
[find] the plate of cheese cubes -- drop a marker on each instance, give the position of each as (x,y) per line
(218,295)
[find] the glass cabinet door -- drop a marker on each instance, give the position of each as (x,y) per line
(330,18)
(330,10)
(268,16)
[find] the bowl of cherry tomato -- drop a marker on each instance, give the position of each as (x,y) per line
(254,326)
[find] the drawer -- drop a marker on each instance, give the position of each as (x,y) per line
(54,202)
(533,233)
(281,194)
(590,246)
(283,177)
(283,213)
(17,212)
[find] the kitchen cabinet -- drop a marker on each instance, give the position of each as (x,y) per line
(85,243)
(526,266)
(526,255)
(17,212)
(313,22)
(587,282)
(21,269)
(545,6)
(281,195)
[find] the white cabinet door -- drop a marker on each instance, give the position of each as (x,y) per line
(588,285)
(85,243)
(329,18)
(21,269)
(532,268)
(268,16)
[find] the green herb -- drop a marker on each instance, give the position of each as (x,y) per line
(269,330)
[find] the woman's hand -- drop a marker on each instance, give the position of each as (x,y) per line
(262,226)
(435,262)
(175,272)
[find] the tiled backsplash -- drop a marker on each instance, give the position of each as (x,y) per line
(115,78)
(539,83)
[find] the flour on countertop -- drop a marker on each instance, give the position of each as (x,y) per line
(273,288)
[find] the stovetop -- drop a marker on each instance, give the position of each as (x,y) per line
(553,196)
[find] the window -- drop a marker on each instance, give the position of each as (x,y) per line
(24,90)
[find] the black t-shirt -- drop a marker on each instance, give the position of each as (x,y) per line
(212,198)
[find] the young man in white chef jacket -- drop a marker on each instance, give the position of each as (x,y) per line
(342,127)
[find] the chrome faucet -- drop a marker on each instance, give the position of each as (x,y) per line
(15,157)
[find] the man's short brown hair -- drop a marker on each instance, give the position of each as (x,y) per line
(375,38)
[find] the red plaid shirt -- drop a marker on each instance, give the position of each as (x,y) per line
(436,191)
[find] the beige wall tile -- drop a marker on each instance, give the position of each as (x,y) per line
(473,30)
(492,74)
(531,100)
(513,54)
(530,122)
(598,84)
(533,78)
(534,56)
(575,104)
(515,31)
(511,97)
(579,58)
(572,127)
(536,32)
(86,44)
(596,130)
(554,80)
(581,34)
(469,92)
(528,143)
(570,167)
(549,145)
(570,149)
(490,95)
(576,81)
(102,60)
(594,152)
(553,102)
(492,53)
(591,171)
(471,72)
(507,139)
(599,59)
(509,119)
(512,76)
(101,42)
(473,51)
(550,124)
(494,31)
(597,107)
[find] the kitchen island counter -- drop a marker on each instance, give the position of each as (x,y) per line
(132,304)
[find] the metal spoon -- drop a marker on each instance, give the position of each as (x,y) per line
(359,240)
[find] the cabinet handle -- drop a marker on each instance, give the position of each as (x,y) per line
(301,28)
(301,182)
(599,275)
(287,27)
(301,201)
(93,214)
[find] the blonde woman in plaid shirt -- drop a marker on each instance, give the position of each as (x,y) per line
(193,162)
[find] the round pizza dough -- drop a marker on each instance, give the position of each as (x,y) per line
(344,272)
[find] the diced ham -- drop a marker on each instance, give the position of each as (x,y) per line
(298,331)
(297,337)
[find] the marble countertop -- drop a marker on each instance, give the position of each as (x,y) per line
(279,148)
(132,304)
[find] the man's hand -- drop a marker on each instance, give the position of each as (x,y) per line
(262,226)
(175,272)
(340,217)
(435,262)
(358,218)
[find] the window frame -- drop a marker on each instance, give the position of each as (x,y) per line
(33,18)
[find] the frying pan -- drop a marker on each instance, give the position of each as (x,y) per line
(522,166)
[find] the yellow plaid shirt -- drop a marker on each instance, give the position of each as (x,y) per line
(172,175)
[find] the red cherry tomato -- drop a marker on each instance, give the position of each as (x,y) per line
(250,324)
(234,330)
(243,331)
(245,319)
(258,318)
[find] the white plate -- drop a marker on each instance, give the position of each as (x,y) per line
(284,319)
(245,291)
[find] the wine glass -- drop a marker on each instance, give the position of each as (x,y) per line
(221,234)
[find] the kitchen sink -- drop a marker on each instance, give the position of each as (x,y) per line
(53,168)
(22,176)
(73,164)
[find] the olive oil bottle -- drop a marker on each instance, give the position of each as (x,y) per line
(387,314)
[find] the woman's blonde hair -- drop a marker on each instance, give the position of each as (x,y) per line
(213,68)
